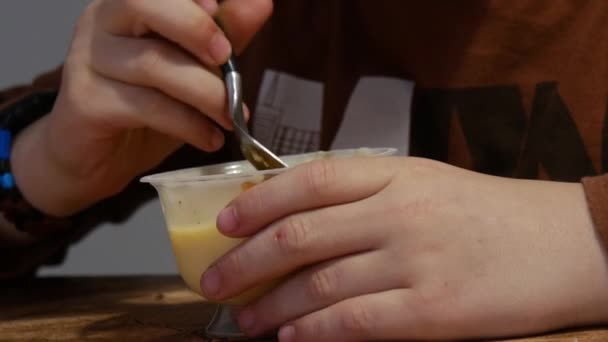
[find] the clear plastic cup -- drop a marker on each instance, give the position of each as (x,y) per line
(192,198)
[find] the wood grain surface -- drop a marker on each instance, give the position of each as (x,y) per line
(131,309)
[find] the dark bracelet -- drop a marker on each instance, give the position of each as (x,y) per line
(13,206)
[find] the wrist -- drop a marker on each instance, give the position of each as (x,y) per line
(589,299)
(42,180)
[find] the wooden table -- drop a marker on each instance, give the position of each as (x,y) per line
(129,309)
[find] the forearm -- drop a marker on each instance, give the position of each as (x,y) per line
(42,181)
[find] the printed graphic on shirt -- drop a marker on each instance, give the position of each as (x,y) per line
(486,129)
(377,115)
(500,137)
(289,109)
(288,114)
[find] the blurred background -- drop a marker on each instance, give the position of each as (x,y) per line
(34,37)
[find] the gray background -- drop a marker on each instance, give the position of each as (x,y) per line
(34,37)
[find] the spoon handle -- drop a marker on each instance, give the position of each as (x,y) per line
(230,66)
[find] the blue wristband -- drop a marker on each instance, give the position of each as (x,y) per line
(15,117)
(7,181)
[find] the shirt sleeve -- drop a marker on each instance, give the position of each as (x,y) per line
(21,253)
(49,80)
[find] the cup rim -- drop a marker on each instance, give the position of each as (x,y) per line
(242,168)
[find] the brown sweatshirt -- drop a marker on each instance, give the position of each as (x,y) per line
(510,88)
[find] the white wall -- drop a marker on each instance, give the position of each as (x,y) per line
(34,37)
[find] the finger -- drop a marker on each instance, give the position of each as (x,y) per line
(127,106)
(242,19)
(162,65)
(389,315)
(317,184)
(210,6)
(183,22)
(319,287)
(291,243)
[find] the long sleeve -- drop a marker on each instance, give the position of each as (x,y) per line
(49,80)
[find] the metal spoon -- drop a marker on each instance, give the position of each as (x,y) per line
(256,153)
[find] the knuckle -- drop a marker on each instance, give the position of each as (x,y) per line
(150,60)
(231,264)
(356,319)
(128,8)
(323,285)
(269,9)
(312,330)
(320,175)
(420,207)
(293,235)
(153,104)
(88,15)
(249,203)
(131,6)
(427,309)
(204,28)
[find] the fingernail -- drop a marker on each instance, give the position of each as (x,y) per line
(210,6)
(287,334)
(227,220)
(219,48)
(247,319)
(211,282)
